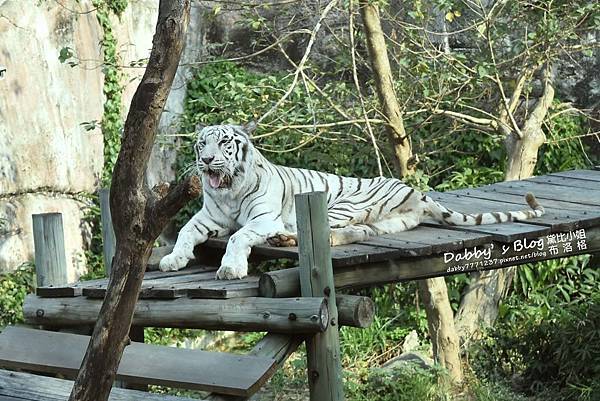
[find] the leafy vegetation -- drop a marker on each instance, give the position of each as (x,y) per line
(111,125)
(13,289)
(551,340)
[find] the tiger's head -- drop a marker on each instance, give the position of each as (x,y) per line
(222,152)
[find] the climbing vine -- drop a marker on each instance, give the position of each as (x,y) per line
(112,122)
(112,125)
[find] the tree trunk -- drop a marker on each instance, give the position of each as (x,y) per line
(404,159)
(479,303)
(138,214)
(433,291)
(441,326)
(523,151)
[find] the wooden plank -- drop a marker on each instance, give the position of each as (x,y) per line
(67,290)
(109,242)
(441,239)
(351,254)
(247,287)
(62,353)
(506,232)
(403,247)
(276,346)
(49,244)
(29,387)
(7,398)
(423,240)
(76,289)
(166,285)
(589,175)
(503,232)
(316,279)
(238,314)
(342,255)
(563,181)
(436,236)
(202,285)
(560,216)
(545,191)
(517,198)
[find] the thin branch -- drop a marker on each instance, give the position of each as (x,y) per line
(303,61)
(256,53)
(467,119)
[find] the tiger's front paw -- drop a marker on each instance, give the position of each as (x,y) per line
(281,240)
(172,262)
(226,272)
(233,266)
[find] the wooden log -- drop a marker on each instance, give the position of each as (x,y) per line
(282,315)
(49,244)
(279,283)
(108,233)
(316,280)
(355,311)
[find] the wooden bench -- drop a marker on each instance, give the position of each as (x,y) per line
(20,386)
(62,353)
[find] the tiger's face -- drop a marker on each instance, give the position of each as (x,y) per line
(221,154)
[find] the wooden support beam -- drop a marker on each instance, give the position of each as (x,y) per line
(355,310)
(49,244)
(282,315)
(316,280)
(492,256)
(108,233)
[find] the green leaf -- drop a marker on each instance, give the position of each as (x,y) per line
(65,54)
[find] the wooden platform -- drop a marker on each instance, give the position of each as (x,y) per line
(193,298)
(571,226)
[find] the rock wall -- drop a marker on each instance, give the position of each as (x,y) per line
(46,156)
(134,31)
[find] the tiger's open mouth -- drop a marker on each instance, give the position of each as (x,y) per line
(216,179)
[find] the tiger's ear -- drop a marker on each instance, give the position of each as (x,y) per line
(249,128)
(200,127)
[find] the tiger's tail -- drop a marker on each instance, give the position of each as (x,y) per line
(444,215)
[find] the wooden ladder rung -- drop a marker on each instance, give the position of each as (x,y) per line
(20,386)
(53,352)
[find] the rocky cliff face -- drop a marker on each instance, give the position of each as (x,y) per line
(46,156)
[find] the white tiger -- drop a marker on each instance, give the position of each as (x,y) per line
(246,194)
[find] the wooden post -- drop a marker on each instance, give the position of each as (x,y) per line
(108,234)
(49,244)
(316,280)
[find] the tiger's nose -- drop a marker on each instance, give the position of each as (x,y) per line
(207,160)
